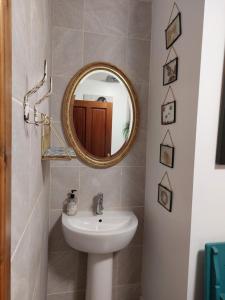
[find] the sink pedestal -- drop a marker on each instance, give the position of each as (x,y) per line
(102,235)
(99,277)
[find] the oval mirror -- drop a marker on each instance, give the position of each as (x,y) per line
(100,114)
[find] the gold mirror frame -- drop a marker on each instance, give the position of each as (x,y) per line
(67,117)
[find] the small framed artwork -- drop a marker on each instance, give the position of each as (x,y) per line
(173,31)
(168,113)
(165,197)
(170,71)
(220,152)
(166,155)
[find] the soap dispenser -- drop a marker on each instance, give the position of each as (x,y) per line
(72,204)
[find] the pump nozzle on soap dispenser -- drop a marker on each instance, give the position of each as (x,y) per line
(72,204)
(72,195)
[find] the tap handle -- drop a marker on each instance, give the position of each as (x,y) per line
(101,200)
(100,197)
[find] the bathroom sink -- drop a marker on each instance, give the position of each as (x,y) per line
(96,234)
(99,236)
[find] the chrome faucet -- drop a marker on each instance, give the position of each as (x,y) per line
(99,204)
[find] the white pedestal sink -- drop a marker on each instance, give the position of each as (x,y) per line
(99,236)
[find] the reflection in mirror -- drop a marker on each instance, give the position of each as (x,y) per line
(102,113)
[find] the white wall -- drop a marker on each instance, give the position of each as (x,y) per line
(121,106)
(208,210)
(167,235)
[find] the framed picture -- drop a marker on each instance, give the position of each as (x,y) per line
(173,31)
(170,71)
(168,113)
(166,155)
(165,197)
(220,151)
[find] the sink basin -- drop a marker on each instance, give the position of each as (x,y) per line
(103,234)
(99,236)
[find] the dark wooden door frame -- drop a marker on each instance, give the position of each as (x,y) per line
(5,146)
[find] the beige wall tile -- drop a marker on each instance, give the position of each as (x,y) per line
(99,47)
(94,181)
(67,47)
(63,180)
(36,166)
(60,84)
(56,238)
(114,293)
(39,44)
(58,131)
(115,269)
(66,163)
(67,271)
(132,186)
(68,13)
(128,292)
(138,60)
(107,17)
(40,290)
(20,49)
(142,93)
(26,260)
(21,206)
(140,19)
(137,153)
(138,238)
(68,296)
(129,265)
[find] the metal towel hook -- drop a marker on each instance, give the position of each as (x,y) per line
(47,95)
(31,92)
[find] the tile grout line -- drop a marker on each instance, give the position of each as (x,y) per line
(124,36)
(78,166)
(36,279)
(83,33)
(83,290)
(49,198)
(18,101)
(27,225)
(69,250)
(66,292)
(121,174)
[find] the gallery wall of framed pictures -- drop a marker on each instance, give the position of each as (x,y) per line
(169,106)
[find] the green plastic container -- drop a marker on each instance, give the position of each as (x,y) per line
(214,285)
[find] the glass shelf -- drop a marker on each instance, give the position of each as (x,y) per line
(49,152)
(58,153)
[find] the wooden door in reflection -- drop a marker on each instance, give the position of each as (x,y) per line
(93,125)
